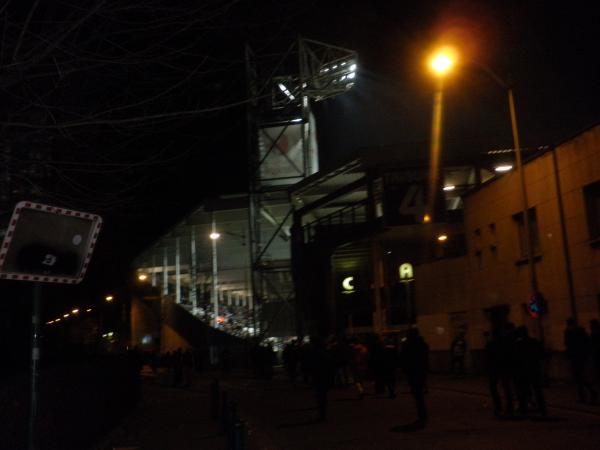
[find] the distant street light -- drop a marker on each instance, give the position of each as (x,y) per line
(215,273)
(503,168)
(109,298)
(442,237)
(75,311)
(142,277)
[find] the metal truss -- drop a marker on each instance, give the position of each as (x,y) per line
(282,151)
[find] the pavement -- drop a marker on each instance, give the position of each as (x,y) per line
(280,415)
(167,418)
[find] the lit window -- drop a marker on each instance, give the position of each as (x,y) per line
(533,230)
(592,203)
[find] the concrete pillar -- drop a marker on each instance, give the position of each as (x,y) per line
(193,269)
(165,289)
(377,271)
(153,269)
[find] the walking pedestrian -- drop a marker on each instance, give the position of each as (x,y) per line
(528,355)
(323,374)
(290,359)
(498,365)
(415,360)
(458,350)
(359,365)
(389,366)
(577,345)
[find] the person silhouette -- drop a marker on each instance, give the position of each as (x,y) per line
(415,361)
(577,346)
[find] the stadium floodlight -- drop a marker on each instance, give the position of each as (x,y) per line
(326,69)
(286,91)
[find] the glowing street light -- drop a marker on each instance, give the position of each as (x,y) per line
(215,272)
(66,315)
(88,310)
(75,311)
(441,64)
(442,237)
(442,61)
(109,298)
(142,277)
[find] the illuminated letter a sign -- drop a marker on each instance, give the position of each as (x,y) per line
(406,272)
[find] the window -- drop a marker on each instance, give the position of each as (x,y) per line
(534,235)
(592,203)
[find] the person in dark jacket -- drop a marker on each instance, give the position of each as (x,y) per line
(499,367)
(322,370)
(577,345)
(458,350)
(415,361)
(528,357)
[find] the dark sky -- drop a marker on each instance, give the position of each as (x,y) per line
(144,176)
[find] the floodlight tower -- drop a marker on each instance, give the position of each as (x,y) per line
(282,151)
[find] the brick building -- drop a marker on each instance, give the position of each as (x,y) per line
(492,282)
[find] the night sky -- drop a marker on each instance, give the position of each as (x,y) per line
(112,119)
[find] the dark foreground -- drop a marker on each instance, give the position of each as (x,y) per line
(280,415)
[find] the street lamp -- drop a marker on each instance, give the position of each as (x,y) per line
(524,202)
(214,236)
(441,64)
(142,277)
(109,298)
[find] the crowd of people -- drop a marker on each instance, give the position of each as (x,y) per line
(515,363)
(354,362)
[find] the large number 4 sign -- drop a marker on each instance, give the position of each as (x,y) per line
(413,202)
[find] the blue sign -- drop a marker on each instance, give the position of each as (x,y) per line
(536,307)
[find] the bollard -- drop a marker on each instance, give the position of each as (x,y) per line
(232,419)
(224,412)
(238,441)
(214,400)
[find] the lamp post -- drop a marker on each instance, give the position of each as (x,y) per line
(522,184)
(441,63)
(520,171)
(214,236)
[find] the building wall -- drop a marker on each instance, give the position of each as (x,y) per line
(144,322)
(493,273)
(171,340)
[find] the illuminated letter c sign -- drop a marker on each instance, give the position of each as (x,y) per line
(347,284)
